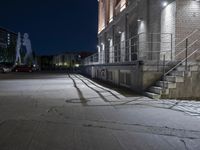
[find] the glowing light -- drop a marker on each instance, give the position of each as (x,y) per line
(165,4)
(77,65)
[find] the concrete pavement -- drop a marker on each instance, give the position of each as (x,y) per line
(60,111)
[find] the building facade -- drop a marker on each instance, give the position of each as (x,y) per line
(7,45)
(144,30)
(140,40)
(69,60)
(66,60)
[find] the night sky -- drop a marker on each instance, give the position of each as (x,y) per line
(54,26)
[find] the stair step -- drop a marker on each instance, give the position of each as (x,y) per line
(178,73)
(174,79)
(191,67)
(180,68)
(169,85)
(152,95)
(156,90)
(194,68)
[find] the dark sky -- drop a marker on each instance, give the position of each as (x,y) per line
(53,25)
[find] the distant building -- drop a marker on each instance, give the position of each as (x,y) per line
(45,62)
(62,61)
(69,59)
(7,37)
(7,45)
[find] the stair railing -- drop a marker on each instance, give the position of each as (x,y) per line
(183,60)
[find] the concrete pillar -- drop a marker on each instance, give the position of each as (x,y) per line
(102,15)
(168,21)
(122,47)
(111,13)
(111,51)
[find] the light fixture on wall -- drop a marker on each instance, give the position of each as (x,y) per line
(139,20)
(120,32)
(165,3)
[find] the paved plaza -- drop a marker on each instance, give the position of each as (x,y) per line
(57,111)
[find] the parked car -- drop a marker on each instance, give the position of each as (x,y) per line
(35,68)
(1,69)
(23,68)
(5,67)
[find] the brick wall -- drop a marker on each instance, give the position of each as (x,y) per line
(187,20)
(187,17)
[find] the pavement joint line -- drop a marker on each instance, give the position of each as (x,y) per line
(142,104)
(83,100)
(101,87)
(93,90)
(131,101)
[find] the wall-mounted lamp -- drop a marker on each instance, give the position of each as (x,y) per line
(139,20)
(120,32)
(164,4)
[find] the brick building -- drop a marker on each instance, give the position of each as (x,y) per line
(148,38)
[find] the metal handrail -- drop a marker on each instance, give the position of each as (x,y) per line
(187,47)
(184,49)
(184,59)
(195,31)
(180,62)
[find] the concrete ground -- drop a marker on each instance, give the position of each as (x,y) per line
(70,112)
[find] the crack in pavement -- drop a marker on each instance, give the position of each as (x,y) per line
(165,131)
(2,122)
(138,128)
(185,145)
(114,125)
(174,105)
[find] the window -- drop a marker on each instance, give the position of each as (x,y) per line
(117,2)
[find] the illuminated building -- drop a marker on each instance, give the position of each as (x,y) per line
(140,40)
(7,45)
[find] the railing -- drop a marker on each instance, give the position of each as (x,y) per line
(157,49)
(146,47)
(91,60)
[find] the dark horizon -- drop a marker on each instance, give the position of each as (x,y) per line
(54,26)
